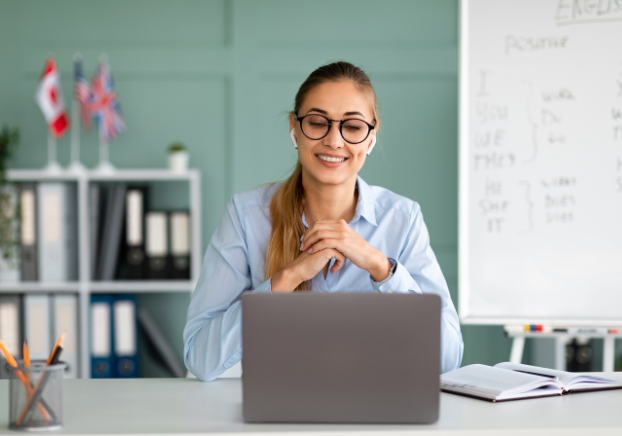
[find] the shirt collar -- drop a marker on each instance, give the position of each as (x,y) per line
(364,206)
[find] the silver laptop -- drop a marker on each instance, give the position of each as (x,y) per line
(341,357)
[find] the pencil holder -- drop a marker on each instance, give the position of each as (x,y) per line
(36,396)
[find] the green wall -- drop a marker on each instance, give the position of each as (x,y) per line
(220,75)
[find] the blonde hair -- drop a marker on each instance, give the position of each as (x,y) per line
(286,206)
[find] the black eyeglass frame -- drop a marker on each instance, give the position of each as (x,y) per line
(330,124)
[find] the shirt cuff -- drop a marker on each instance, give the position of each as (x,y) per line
(399,280)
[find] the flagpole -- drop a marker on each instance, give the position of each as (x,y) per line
(52,166)
(104,167)
(76,166)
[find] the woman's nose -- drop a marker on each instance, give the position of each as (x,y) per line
(334,139)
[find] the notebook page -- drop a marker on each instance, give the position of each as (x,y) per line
(490,382)
(568,379)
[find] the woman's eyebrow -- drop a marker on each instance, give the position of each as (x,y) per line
(354,113)
(314,109)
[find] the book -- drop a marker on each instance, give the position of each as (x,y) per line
(180,245)
(57,231)
(156,245)
(101,336)
(161,348)
(28,232)
(111,236)
(65,320)
(10,328)
(37,325)
(134,232)
(514,381)
(10,257)
(95,209)
(125,338)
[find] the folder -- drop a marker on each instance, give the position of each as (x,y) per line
(37,325)
(125,338)
(65,320)
(180,245)
(10,328)
(57,230)
(164,351)
(28,233)
(111,236)
(101,336)
(134,232)
(9,258)
(95,210)
(156,246)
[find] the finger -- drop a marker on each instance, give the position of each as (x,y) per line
(339,262)
(323,245)
(319,235)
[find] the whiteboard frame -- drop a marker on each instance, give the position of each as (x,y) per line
(463,204)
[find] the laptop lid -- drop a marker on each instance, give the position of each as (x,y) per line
(341,357)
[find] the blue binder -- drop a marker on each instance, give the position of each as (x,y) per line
(101,336)
(125,337)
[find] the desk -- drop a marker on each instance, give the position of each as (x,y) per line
(177,406)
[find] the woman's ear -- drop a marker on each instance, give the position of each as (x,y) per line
(371,146)
(292,127)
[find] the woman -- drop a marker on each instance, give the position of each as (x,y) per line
(324,229)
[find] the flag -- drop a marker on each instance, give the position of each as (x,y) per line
(82,93)
(50,99)
(104,105)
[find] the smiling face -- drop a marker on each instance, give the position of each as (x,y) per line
(331,160)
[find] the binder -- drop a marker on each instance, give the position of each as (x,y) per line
(156,247)
(180,245)
(28,232)
(95,209)
(9,259)
(101,336)
(57,230)
(160,345)
(111,236)
(65,319)
(37,325)
(10,328)
(134,232)
(125,338)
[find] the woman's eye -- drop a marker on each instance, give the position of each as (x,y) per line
(352,128)
(318,124)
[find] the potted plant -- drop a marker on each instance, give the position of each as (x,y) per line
(177,157)
(9,139)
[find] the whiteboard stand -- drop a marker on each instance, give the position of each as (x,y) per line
(562,337)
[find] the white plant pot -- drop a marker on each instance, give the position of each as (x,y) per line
(178,161)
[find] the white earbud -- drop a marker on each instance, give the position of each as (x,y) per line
(291,135)
(371,146)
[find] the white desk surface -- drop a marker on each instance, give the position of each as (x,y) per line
(183,406)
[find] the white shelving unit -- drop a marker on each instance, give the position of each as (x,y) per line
(84,287)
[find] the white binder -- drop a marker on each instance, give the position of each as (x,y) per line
(56,209)
(37,325)
(10,328)
(66,321)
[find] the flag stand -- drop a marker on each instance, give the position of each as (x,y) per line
(76,166)
(104,167)
(52,167)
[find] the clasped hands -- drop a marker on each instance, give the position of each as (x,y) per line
(323,241)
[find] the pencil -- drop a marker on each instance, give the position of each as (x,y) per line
(54,358)
(20,375)
(59,342)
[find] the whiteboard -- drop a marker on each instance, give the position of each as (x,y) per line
(540,162)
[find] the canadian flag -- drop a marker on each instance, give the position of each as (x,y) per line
(50,100)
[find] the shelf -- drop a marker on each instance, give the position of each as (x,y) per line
(39,287)
(119,175)
(142,286)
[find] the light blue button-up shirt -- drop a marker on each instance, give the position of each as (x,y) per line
(235,262)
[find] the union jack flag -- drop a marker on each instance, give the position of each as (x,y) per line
(82,93)
(104,106)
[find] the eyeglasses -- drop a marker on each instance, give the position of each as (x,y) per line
(353,131)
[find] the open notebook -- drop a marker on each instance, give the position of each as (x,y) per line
(514,381)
